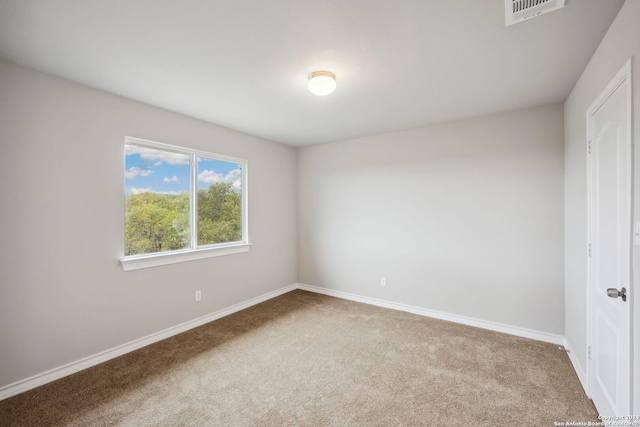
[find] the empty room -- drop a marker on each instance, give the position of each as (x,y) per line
(303,213)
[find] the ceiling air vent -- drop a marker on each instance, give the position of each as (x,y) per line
(519,10)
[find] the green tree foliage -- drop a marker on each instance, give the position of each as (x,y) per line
(219,214)
(158,222)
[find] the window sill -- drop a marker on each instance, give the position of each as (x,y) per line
(153,260)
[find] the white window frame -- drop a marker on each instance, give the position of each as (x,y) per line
(194,252)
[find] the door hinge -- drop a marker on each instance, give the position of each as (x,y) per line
(589,147)
(589,353)
(589,249)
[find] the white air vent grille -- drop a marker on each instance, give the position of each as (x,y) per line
(519,10)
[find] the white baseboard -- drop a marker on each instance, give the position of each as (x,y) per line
(79,365)
(87,362)
(577,367)
(484,324)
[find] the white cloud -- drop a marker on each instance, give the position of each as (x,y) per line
(212,177)
(172,179)
(136,171)
(157,156)
(139,190)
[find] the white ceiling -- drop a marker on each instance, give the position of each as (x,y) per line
(244,63)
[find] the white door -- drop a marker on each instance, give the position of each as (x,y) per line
(610,175)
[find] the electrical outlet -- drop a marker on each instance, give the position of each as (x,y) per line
(383,281)
(198,295)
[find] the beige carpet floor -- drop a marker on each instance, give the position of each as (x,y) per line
(304,359)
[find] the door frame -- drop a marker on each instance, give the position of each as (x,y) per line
(624,75)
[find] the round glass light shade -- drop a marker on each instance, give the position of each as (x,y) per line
(322,83)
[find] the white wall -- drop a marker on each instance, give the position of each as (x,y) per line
(464,218)
(621,42)
(63,294)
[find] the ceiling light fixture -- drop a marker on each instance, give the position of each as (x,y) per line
(322,83)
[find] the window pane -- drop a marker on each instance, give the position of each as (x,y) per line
(157,200)
(219,201)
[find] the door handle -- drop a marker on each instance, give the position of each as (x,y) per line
(614,293)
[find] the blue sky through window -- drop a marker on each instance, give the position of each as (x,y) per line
(167,172)
(214,171)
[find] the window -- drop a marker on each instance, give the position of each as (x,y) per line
(181,204)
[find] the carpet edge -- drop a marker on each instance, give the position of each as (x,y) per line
(54,374)
(469,321)
(577,367)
